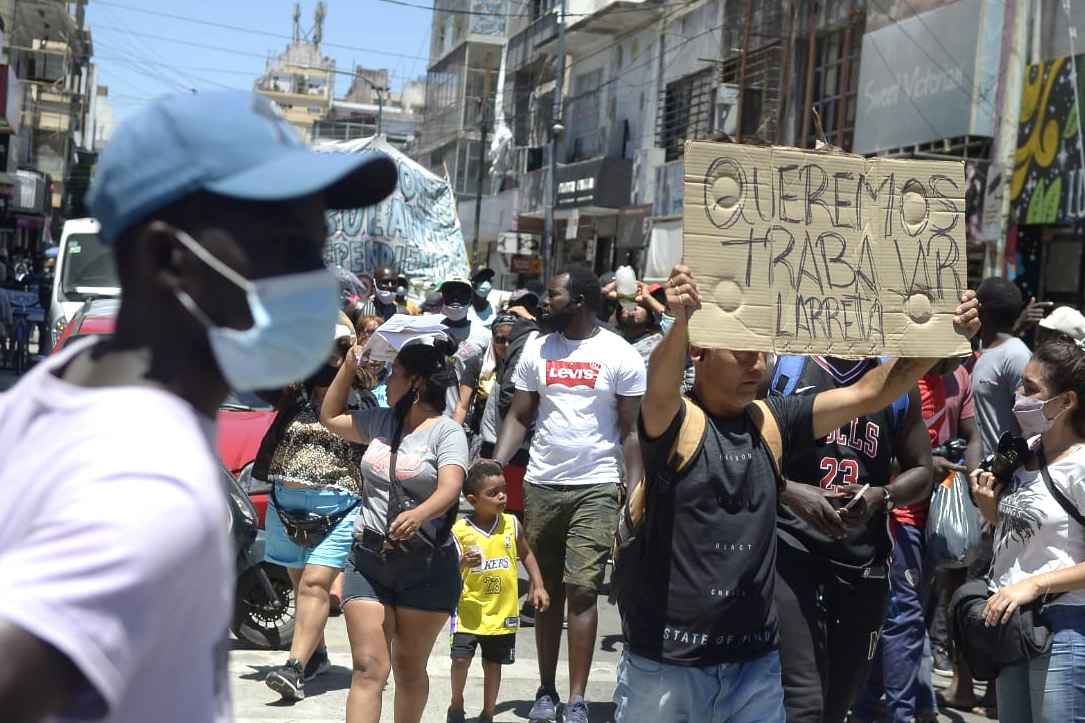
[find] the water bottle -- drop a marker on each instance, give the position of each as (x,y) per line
(627,287)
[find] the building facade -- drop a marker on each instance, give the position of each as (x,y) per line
(48,142)
(640,78)
(466,50)
(371,107)
(301,81)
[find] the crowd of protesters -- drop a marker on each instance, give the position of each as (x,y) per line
(765,515)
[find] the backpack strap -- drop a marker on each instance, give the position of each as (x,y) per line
(766,423)
(900,406)
(690,437)
(687,444)
(900,410)
(787,374)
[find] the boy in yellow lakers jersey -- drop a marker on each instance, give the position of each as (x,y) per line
(490,542)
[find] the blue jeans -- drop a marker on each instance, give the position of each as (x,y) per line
(1050,688)
(332,550)
(748,692)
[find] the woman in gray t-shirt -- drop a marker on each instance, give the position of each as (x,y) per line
(391,579)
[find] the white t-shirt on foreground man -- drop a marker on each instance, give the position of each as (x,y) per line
(116,562)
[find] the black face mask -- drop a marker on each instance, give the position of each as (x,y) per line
(324,376)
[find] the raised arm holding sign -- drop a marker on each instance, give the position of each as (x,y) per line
(807,252)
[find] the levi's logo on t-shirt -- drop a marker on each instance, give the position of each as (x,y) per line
(572,374)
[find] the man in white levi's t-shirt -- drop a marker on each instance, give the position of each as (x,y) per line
(580,386)
(116,565)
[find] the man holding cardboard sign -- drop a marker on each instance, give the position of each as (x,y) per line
(701,624)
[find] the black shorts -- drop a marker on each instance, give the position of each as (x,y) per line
(500,649)
(429,583)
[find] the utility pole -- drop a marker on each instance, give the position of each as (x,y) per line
(812,45)
(742,71)
(1008,104)
(556,129)
(484,126)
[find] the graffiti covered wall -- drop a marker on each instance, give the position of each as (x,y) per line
(1048,179)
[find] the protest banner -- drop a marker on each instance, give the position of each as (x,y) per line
(415,230)
(810,252)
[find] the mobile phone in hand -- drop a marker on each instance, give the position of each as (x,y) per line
(855,501)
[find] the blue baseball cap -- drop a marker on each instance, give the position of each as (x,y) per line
(234,144)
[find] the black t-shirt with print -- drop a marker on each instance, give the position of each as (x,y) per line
(711,545)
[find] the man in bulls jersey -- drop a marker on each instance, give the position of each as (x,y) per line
(581,387)
(832,569)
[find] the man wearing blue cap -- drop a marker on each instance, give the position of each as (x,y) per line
(116,567)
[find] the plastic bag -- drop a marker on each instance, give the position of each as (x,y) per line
(953,524)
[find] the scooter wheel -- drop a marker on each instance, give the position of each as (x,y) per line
(258,620)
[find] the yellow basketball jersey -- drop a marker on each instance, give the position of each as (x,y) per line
(490,603)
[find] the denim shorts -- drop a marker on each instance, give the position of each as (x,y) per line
(430,583)
(1050,688)
(332,550)
(749,692)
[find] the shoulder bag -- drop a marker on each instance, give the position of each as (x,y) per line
(432,533)
(1025,636)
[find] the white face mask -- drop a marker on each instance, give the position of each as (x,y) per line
(454,313)
(1030,416)
(385,297)
(293,316)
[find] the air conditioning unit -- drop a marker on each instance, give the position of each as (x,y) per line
(725,110)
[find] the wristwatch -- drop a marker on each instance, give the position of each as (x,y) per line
(889,504)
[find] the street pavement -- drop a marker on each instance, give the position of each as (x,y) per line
(326,696)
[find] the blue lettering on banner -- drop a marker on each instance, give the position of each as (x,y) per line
(416,230)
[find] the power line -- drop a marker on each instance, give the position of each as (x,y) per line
(919,18)
(529,15)
(135,45)
(253,75)
(251,31)
(911,100)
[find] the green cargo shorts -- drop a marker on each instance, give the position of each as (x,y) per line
(570,528)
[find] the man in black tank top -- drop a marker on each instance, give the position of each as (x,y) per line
(833,587)
(697,584)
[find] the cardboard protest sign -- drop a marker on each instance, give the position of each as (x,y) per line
(804,252)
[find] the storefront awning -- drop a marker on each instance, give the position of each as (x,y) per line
(664,250)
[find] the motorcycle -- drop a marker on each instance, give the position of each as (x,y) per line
(264,604)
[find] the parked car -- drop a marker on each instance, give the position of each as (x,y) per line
(84,271)
(243,418)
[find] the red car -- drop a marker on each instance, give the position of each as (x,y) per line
(243,418)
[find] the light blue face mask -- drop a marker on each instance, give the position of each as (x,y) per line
(293,318)
(483,289)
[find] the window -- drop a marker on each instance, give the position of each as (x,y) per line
(584,118)
(833,94)
(686,114)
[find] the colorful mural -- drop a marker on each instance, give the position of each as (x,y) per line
(1048,179)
